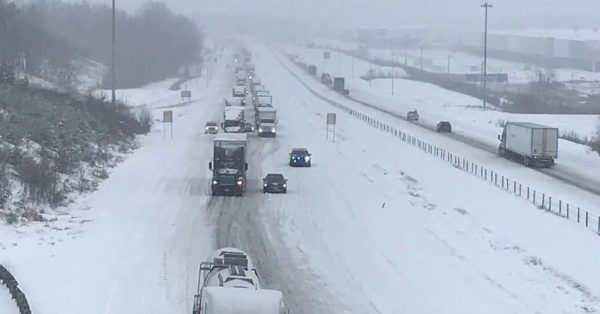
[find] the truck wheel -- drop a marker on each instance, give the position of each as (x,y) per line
(527,162)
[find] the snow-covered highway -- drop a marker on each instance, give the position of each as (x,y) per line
(374,226)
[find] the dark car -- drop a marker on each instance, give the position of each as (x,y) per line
(300,157)
(326,79)
(274,183)
(443,127)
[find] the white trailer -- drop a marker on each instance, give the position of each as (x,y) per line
(529,143)
(228,284)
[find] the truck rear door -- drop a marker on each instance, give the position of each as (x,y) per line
(551,143)
(538,140)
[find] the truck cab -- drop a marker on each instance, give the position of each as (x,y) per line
(229,165)
(266,121)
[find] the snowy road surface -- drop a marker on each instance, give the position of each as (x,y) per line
(375,226)
(390,230)
(471,124)
(570,181)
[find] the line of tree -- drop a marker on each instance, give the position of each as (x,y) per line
(152,44)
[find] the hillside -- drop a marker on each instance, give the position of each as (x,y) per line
(53,144)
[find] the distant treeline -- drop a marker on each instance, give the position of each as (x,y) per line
(152,44)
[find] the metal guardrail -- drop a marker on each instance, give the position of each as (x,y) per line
(13,287)
(537,198)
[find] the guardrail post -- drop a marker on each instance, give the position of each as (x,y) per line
(598,224)
(543,200)
(534,197)
(502,182)
(578,214)
(567,210)
(560,207)
(527,193)
(495,179)
(515,188)
(587,218)
(486,174)
(549,203)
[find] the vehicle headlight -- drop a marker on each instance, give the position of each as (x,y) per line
(307,158)
(265,185)
(240,182)
(215,182)
(284,185)
(260,129)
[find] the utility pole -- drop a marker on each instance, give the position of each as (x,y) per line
(421,48)
(370,74)
(113,67)
(486,6)
(393,65)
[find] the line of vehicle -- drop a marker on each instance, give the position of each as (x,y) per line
(563,177)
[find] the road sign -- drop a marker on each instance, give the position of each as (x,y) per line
(186,94)
(331,119)
(168,116)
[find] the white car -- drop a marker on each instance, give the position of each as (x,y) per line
(211,127)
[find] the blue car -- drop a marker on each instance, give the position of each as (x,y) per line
(300,157)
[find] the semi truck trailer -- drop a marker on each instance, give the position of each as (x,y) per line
(529,143)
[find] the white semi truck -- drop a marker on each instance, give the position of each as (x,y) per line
(229,284)
(266,121)
(529,143)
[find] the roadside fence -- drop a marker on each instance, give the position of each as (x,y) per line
(539,199)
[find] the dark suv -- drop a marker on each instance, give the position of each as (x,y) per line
(444,127)
(300,157)
(274,183)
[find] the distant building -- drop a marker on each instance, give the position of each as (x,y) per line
(549,48)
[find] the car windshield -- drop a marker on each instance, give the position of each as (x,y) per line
(453,168)
(300,152)
(274,177)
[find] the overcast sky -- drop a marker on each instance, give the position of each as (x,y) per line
(383,13)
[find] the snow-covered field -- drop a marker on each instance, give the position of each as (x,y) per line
(134,245)
(157,94)
(465,113)
(7,304)
(391,230)
(435,59)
